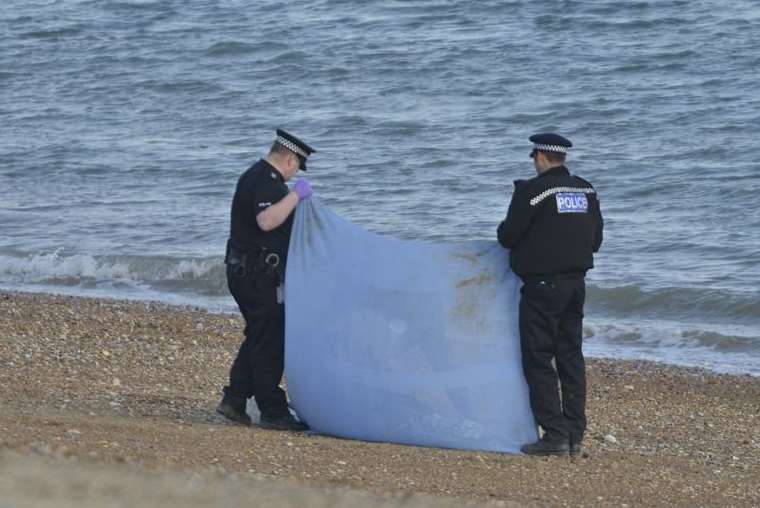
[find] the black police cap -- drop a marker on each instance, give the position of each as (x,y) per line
(549,142)
(295,145)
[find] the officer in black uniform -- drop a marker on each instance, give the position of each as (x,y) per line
(552,228)
(261,221)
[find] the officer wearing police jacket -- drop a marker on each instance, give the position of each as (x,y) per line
(552,228)
(261,221)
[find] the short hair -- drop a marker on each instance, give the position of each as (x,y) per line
(555,156)
(279,148)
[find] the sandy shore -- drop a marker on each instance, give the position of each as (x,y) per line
(127,390)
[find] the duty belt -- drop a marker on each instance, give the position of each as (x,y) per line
(246,261)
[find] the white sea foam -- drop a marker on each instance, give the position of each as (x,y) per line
(730,349)
(55,266)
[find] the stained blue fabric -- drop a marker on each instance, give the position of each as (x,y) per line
(403,341)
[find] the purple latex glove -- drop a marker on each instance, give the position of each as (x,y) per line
(303,189)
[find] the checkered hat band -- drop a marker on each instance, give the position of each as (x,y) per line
(292,146)
(550,148)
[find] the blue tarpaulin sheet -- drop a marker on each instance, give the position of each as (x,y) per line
(403,341)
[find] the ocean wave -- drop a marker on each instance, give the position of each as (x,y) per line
(229,48)
(204,276)
(682,303)
(290,56)
(631,24)
(180,86)
(673,334)
(721,342)
(53,33)
(139,5)
(734,349)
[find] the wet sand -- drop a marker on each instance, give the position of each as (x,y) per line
(127,390)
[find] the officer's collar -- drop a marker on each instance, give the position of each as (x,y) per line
(275,171)
(556,170)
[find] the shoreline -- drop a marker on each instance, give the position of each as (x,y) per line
(133,384)
(232,311)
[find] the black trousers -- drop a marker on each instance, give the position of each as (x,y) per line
(551,328)
(258,367)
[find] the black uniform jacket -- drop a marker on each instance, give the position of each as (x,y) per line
(553,226)
(258,188)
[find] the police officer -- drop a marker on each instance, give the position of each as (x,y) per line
(261,221)
(552,228)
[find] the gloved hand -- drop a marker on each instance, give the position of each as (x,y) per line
(303,189)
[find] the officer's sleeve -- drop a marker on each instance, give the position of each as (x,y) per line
(599,226)
(519,216)
(264,195)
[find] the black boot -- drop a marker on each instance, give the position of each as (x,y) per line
(576,448)
(233,411)
(281,420)
(544,447)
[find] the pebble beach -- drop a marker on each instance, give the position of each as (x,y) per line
(128,389)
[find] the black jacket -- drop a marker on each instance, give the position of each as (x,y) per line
(553,226)
(258,188)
